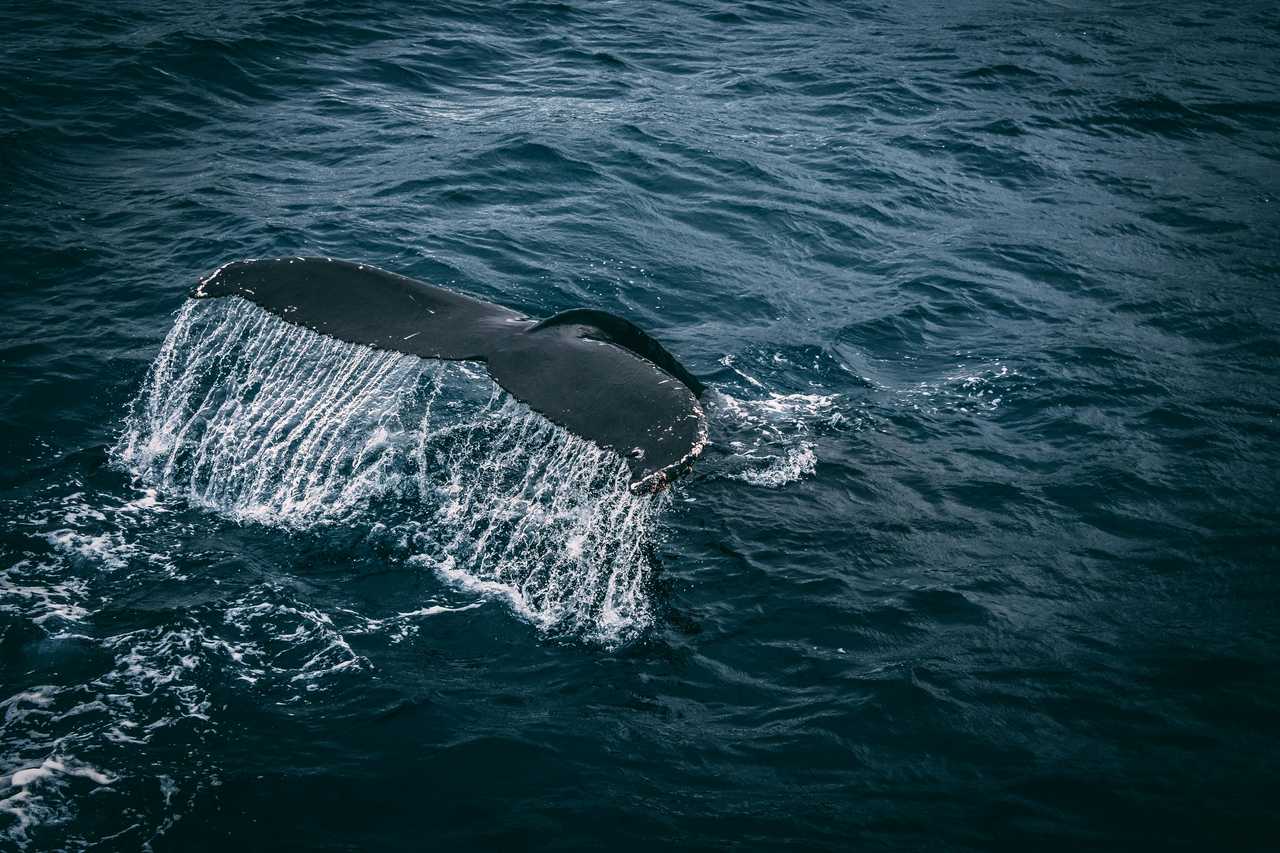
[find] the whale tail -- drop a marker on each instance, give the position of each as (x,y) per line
(593,373)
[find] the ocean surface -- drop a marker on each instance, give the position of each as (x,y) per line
(983,554)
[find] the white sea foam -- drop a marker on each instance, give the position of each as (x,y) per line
(770,439)
(797,463)
(27,587)
(27,802)
(401,626)
(273,637)
(966,390)
(106,549)
(48,733)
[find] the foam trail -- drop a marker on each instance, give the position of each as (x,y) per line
(263,421)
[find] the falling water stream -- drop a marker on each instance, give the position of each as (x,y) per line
(269,423)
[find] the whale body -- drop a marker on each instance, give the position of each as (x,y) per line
(591,372)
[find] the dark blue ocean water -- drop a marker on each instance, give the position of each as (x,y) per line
(983,554)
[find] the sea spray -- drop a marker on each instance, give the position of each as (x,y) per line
(529,511)
(263,421)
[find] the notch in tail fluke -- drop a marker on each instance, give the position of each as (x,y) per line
(593,373)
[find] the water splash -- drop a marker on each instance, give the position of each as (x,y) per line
(966,391)
(567,551)
(799,462)
(266,422)
(770,440)
(263,421)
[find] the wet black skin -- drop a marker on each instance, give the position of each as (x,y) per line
(591,372)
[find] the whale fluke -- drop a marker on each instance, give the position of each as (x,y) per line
(591,372)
